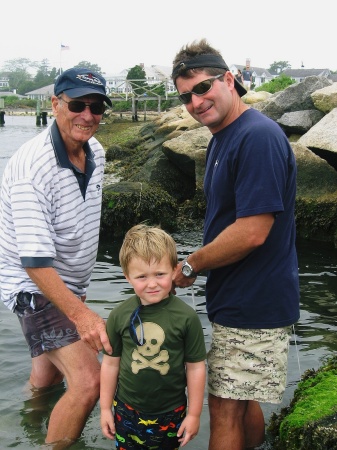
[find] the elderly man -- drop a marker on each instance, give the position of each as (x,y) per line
(49,228)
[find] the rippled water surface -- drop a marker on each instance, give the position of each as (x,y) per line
(24,413)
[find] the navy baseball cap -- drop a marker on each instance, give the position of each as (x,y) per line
(79,81)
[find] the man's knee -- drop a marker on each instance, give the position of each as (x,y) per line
(44,373)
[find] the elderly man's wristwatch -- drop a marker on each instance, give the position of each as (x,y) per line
(187,270)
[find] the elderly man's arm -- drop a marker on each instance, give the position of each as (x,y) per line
(90,326)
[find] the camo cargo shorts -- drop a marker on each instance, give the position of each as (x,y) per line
(248,364)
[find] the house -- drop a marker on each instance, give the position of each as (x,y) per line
(4,82)
(299,74)
(43,93)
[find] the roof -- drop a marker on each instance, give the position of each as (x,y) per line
(46,90)
(302,73)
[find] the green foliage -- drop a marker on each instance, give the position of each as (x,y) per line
(279,66)
(13,102)
(94,67)
(276,85)
(121,106)
(20,78)
(137,77)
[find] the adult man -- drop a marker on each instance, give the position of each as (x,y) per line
(49,228)
(252,289)
(247,76)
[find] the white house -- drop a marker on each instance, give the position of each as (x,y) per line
(4,82)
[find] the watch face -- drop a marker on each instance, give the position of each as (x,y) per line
(186,270)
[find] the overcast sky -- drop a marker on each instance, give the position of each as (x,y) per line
(118,35)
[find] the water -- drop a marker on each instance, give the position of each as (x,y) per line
(16,131)
(23,413)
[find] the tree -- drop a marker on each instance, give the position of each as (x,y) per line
(44,74)
(137,77)
(88,65)
(279,66)
(276,84)
(17,72)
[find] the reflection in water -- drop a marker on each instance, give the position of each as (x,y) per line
(36,411)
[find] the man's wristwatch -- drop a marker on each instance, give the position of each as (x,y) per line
(187,270)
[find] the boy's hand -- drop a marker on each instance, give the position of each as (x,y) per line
(108,424)
(188,429)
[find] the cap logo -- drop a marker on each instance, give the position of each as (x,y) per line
(89,78)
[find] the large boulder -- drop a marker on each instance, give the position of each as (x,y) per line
(296,97)
(325,99)
(322,138)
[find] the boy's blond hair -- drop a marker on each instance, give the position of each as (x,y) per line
(148,243)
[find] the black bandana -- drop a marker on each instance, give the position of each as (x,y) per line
(213,61)
(200,61)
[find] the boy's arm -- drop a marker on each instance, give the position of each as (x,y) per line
(196,379)
(109,379)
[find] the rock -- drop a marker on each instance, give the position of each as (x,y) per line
(127,203)
(256,97)
(325,99)
(322,138)
(299,122)
(296,97)
(310,420)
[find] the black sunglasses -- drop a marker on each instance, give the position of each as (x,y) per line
(199,89)
(76,106)
(132,328)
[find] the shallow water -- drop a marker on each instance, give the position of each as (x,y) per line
(24,413)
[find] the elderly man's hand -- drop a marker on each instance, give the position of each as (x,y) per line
(91,328)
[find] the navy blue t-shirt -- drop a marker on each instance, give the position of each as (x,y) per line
(251,170)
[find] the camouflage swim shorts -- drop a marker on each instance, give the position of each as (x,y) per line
(248,364)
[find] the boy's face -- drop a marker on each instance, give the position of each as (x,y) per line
(151,282)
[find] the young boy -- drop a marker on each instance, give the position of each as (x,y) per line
(158,350)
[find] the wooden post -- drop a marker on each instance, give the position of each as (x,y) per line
(134,109)
(38,113)
(2,113)
(44,118)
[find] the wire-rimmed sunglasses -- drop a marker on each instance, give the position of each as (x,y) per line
(132,328)
(77,106)
(199,89)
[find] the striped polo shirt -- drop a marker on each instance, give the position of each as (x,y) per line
(49,214)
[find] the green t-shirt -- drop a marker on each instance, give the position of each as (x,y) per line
(152,377)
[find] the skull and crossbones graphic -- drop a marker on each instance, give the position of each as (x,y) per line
(154,337)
